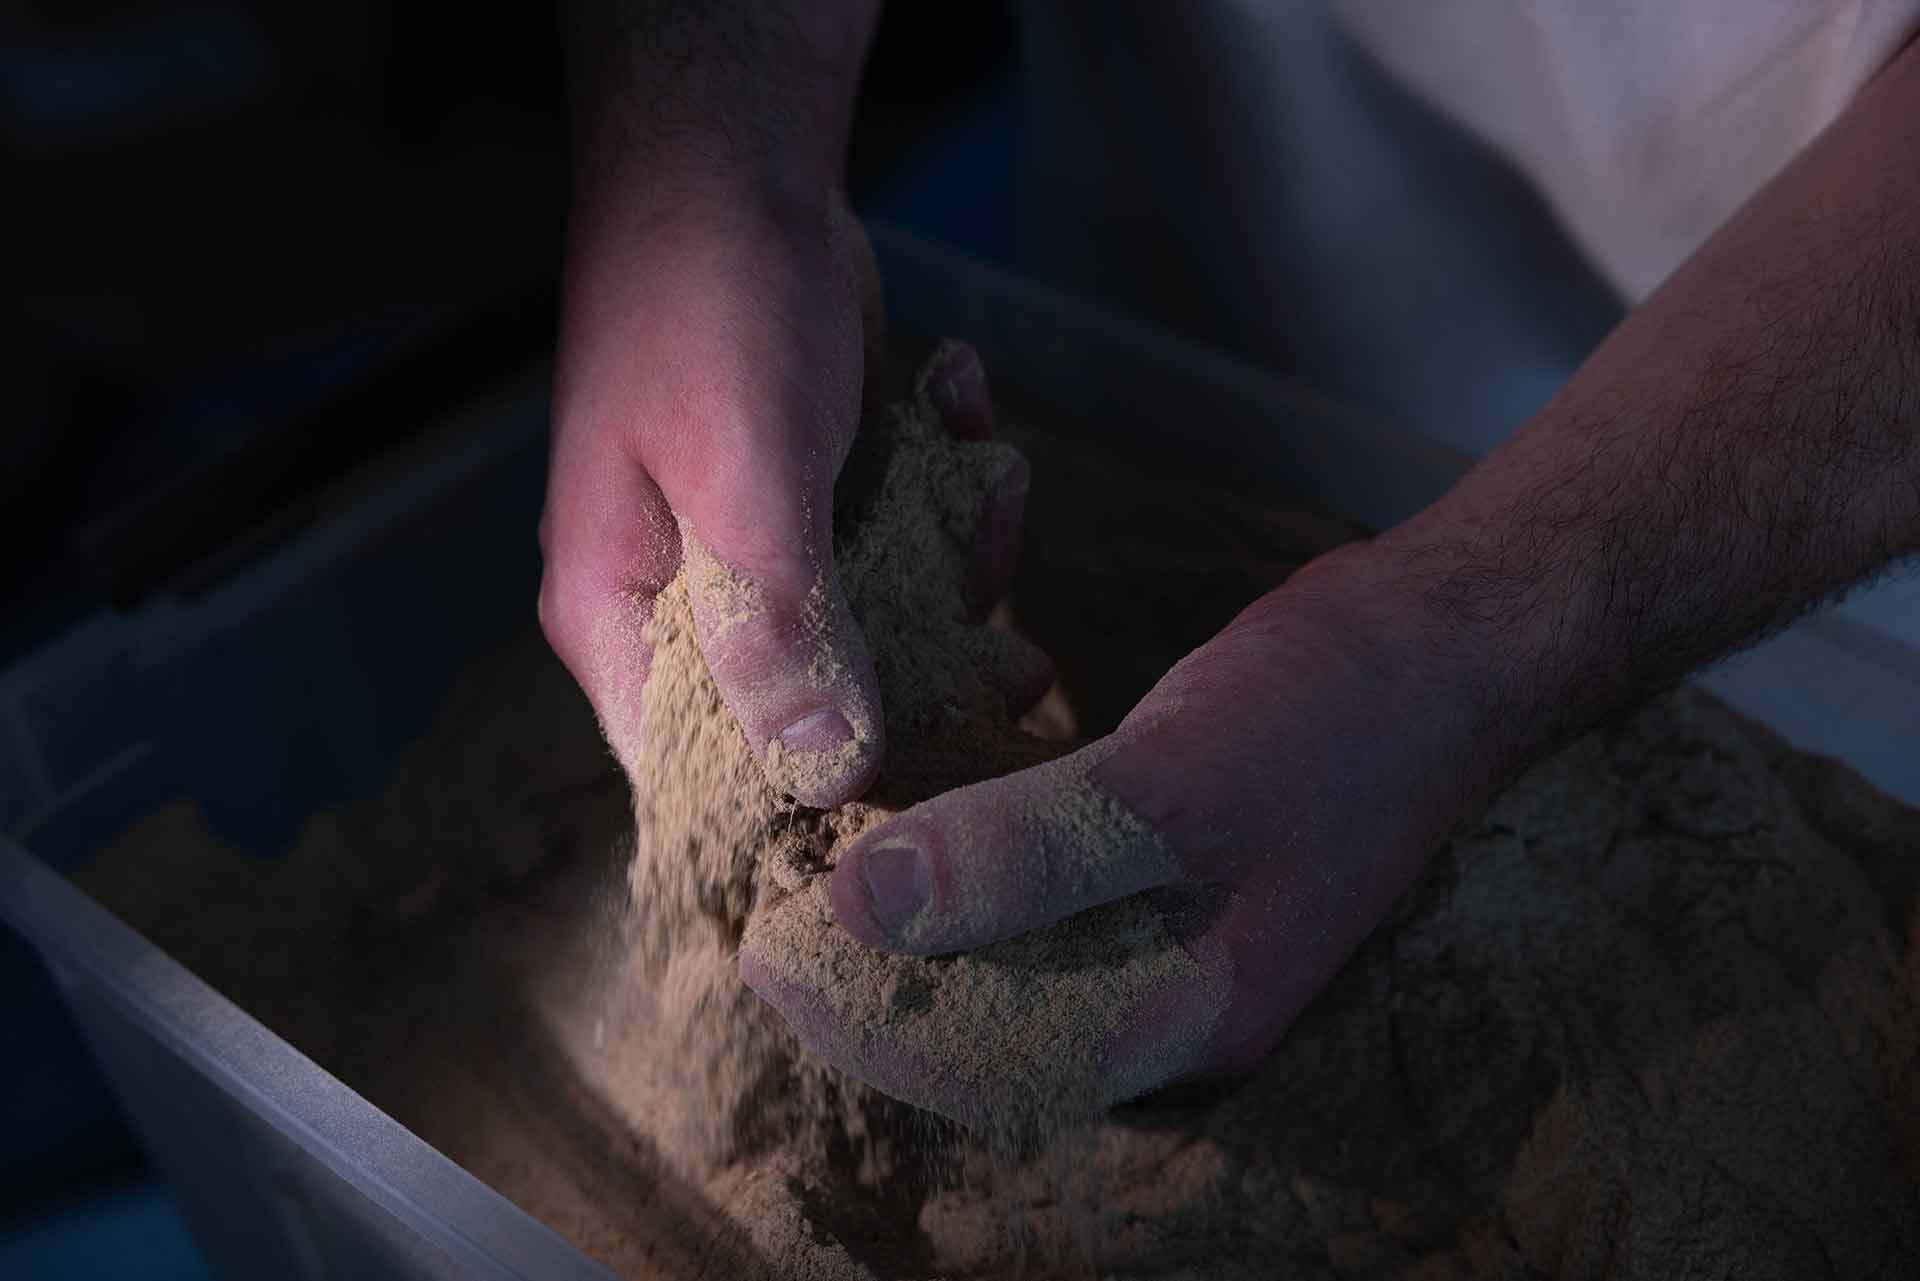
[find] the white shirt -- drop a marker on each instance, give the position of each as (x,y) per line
(1263,175)
(1645,123)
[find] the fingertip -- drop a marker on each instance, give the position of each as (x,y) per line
(836,1036)
(881,892)
(996,538)
(1028,678)
(1013,666)
(805,1011)
(820,760)
(955,381)
(1000,858)
(757,974)
(794,670)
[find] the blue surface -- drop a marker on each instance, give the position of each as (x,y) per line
(961,190)
(283,691)
(116,1232)
(75,1198)
(63,1133)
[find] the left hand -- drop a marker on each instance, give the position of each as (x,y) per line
(1306,760)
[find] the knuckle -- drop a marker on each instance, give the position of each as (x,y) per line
(558,622)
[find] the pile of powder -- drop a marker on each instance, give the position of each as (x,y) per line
(716,846)
(1007,1038)
(1656,1014)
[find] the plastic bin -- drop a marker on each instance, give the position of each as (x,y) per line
(283,1170)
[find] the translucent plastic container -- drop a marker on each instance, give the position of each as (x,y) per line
(283,1170)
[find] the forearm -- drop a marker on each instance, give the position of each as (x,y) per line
(672,95)
(1745,445)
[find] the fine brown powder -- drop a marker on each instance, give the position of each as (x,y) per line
(1657,1013)
(1010,1036)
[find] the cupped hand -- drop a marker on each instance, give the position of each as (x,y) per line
(1294,773)
(708,387)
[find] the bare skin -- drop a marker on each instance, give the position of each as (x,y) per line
(718,297)
(1744,446)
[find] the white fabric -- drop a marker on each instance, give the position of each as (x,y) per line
(1241,173)
(1645,123)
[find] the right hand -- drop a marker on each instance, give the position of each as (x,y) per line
(1282,786)
(709,380)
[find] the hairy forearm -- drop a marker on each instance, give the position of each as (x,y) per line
(1745,445)
(671,94)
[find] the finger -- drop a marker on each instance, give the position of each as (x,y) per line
(791,663)
(1295,790)
(1011,665)
(895,1070)
(1011,1037)
(1177,1031)
(996,859)
(1185,789)
(609,545)
(766,413)
(955,382)
(996,538)
(1277,966)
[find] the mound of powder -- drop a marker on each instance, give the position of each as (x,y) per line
(1656,1014)
(1008,1039)
(718,851)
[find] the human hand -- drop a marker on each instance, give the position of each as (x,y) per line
(1300,767)
(711,364)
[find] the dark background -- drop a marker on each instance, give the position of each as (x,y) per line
(251,246)
(255,242)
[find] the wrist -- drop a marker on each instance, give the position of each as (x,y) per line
(673,101)
(1460,724)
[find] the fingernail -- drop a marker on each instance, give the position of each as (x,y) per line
(820,731)
(966,382)
(950,360)
(898,882)
(958,386)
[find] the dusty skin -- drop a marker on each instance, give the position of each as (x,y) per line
(721,855)
(1653,1015)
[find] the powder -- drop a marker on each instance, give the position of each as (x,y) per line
(1005,1038)
(728,598)
(720,855)
(721,598)
(1656,1013)
(1009,1039)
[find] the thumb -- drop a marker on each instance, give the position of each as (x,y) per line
(784,648)
(768,388)
(996,859)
